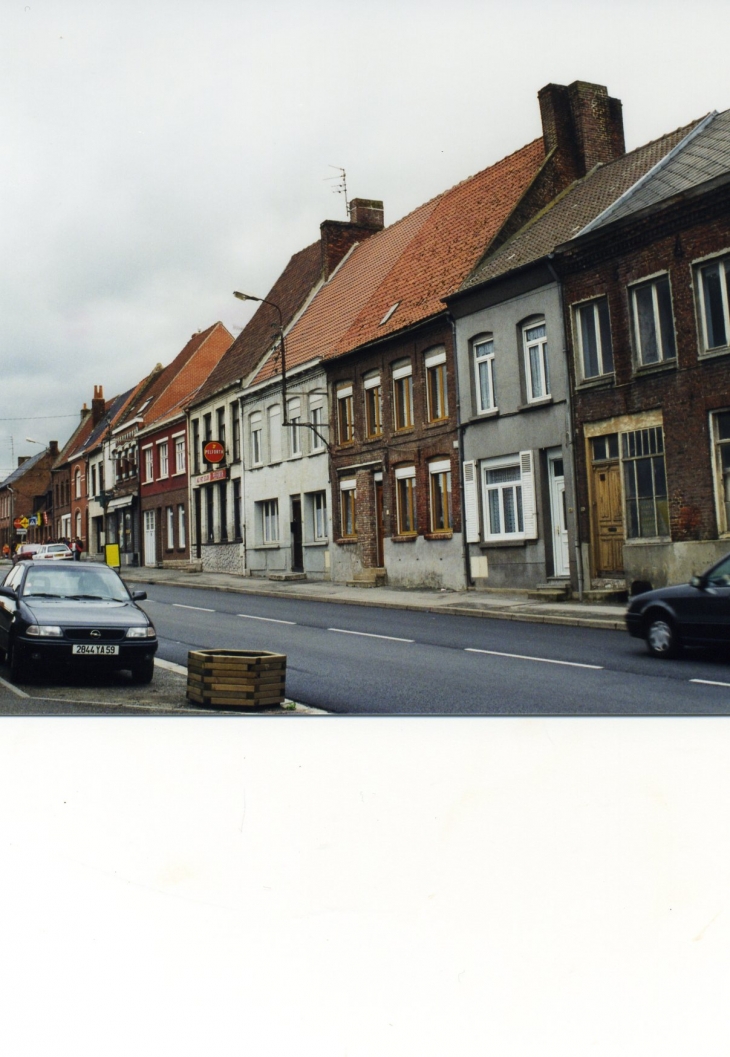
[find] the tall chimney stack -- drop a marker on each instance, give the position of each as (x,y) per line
(584,123)
(98,404)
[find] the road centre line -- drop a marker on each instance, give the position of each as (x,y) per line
(200,609)
(709,682)
(369,635)
(269,620)
(543,660)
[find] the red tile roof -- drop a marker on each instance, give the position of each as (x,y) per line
(290,292)
(414,263)
(188,372)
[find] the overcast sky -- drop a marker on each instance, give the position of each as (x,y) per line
(157,156)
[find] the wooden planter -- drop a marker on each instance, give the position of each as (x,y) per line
(236,678)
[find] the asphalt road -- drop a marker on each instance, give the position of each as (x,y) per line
(347,659)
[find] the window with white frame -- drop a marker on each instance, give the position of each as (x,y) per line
(149,464)
(373,404)
(316,415)
(436,393)
(348,508)
(508,493)
(255,422)
(345,424)
(319,512)
(179,454)
(403,394)
(236,419)
(713,280)
(170,519)
(645,483)
(484,374)
(651,306)
(181,526)
(93,480)
(294,415)
(405,500)
(274,414)
(77,484)
(721,440)
(593,334)
(270,521)
(162,456)
(537,369)
(439,474)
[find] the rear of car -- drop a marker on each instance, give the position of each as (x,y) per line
(25,552)
(53,552)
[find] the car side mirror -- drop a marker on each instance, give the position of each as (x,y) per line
(7,592)
(698,582)
(139,596)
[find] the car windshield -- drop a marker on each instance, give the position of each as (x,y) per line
(720,575)
(74,581)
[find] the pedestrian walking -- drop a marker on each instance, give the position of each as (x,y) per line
(77,548)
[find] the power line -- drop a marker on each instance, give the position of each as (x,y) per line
(36,418)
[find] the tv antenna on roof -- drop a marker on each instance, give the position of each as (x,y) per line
(341,187)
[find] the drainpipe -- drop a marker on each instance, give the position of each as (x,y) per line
(571,440)
(11,526)
(460,428)
(243,480)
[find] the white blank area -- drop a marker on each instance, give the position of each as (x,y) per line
(356,887)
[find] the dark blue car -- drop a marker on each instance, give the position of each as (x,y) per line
(693,614)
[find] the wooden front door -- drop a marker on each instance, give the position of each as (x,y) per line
(297,558)
(379,527)
(607,520)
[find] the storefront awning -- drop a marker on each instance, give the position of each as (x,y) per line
(117,504)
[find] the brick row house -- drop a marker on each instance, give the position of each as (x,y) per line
(26,505)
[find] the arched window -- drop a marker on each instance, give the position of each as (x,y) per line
(77,483)
(78,524)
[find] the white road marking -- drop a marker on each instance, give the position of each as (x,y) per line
(269,620)
(543,660)
(369,635)
(200,609)
(170,666)
(709,682)
(14,689)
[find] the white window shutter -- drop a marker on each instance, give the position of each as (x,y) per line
(471,506)
(529,505)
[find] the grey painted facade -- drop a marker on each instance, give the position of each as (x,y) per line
(515,415)
(286,488)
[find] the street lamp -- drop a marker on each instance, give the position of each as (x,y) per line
(263,301)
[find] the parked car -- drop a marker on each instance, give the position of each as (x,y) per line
(25,552)
(53,552)
(67,613)
(693,614)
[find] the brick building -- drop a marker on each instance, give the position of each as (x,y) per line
(651,372)
(25,494)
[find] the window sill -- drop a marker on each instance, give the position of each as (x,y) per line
(598,382)
(434,422)
(640,541)
(373,438)
(178,473)
(266,547)
(403,431)
(345,540)
(411,538)
(492,544)
(655,368)
(295,456)
(317,543)
(491,413)
(446,534)
(543,402)
(163,477)
(713,354)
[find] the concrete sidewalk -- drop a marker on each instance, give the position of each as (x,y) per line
(500,605)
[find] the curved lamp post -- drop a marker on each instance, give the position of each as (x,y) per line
(263,301)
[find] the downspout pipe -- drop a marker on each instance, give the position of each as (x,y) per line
(571,439)
(460,429)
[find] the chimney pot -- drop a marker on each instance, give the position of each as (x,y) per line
(53,447)
(367,213)
(583,123)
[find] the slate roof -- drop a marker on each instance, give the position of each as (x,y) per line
(579,204)
(290,292)
(23,468)
(413,263)
(704,156)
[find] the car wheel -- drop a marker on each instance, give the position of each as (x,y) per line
(661,636)
(143,673)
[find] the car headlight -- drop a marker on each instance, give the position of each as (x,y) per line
(44,631)
(141,633)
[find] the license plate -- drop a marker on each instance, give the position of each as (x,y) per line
(95,650)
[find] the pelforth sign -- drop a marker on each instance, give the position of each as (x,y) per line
(213,452)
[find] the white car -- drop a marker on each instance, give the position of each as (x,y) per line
(53,552)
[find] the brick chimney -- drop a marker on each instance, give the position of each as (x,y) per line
(98,404)
(22,459)
(338,236)
(584,123)
(53,448)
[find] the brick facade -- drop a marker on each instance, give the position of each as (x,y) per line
(684,391)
